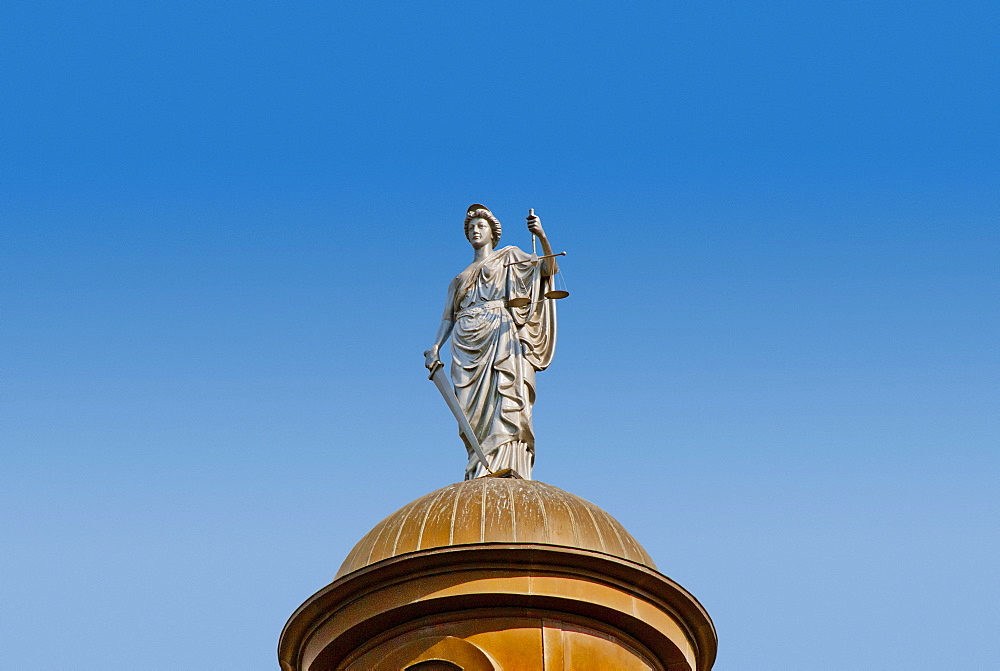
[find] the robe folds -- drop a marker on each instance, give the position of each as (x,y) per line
(497,349)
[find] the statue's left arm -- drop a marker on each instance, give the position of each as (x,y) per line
(537,321)
(549,265)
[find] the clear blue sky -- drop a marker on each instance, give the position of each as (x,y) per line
(226,229)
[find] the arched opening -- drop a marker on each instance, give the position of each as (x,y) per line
(434,665)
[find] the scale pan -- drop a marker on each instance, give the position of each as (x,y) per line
(556,293)
(519,302)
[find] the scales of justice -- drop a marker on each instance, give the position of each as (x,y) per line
(498,572)
(500,314)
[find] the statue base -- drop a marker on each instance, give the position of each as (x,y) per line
(504,473)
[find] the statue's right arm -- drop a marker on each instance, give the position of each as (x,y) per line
(431,356)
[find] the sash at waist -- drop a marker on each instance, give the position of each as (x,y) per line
(498,303)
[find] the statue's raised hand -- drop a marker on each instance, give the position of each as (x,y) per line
(535,224)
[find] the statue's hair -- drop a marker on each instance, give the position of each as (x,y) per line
(479,212)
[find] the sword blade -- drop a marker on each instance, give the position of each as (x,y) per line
(444,386)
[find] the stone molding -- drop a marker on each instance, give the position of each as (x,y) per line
(620,596)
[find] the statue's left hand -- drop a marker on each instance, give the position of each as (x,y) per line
(535,225)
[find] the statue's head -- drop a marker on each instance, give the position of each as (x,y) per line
(478,212)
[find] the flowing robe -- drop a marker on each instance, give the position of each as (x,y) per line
(496,350)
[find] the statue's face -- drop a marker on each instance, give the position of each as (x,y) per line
(479,233)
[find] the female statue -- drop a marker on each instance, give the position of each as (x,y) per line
(502,331)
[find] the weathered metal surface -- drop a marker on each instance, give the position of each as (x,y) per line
(580,605)
(496,510)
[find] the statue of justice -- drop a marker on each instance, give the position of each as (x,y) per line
(500,314)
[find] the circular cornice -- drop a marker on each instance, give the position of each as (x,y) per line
(341,617)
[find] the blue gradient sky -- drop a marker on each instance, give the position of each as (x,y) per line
(225,234)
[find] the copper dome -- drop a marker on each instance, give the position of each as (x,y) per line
(495,510)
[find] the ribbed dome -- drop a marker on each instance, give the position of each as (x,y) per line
(495,510)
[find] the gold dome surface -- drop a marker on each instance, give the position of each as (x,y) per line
(495,510)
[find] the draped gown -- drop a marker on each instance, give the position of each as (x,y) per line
(496,350)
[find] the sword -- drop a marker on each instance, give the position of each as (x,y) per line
(444,386)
